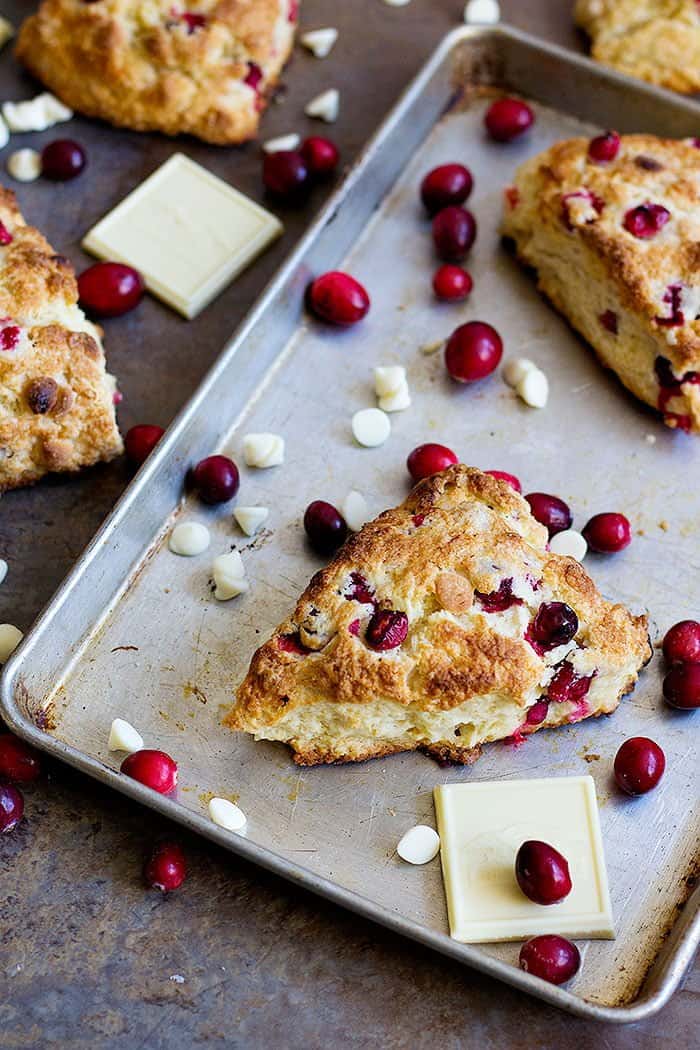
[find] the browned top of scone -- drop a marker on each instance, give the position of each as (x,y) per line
(460,537)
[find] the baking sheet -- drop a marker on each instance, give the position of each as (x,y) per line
(166,656)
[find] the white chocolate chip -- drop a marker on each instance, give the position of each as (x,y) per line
(570,543)
(226,814)
(3,569)
(263,450)
(35,114)
(24,165)
(4,133)
(516,369)
(396,402)
(419,845)
(320,41)
(397,3)
(10,637)
(482,12)
(250,519)
(533,388)
(283,142)
(189,538)
(7,31)
(371,427)
(325,106)
(355,511)
(650,439)
(388,379)
(123,737)
(229,576)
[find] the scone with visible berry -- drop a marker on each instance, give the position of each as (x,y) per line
(444,624)
(56,399)
(612,228)
(657,40)
(204,68)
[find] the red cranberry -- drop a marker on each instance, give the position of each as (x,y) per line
(324,526)
(646,220)
(500,600)
(550,511)
(165,869)
(360,590)
(153,768)
(292,643)
(451,283)
(604,148)
(542,872)
(537,713)
(254,76)
(639,765)
(286,175)
(11,807)
(676,316)
(320,155)
(62,159)
(473,351)
(550,957)
(448,184)
(110,289)
(387,629)
(510,479)
(681,644)
(193,21)
(5,235)
(18,761)
(682,686)
(567,686)
(608,533)
(338,298)
(608,319)
(507,118)
(555,624)
(429,459)
(141,440)
(216,479)
(454,232)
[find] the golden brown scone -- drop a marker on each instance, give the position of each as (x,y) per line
(657,40)
(56,399)
(205,68)
(420,635)
(616,247)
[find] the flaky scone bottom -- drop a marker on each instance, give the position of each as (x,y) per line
(462,543)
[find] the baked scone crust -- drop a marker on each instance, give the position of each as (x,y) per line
(56,399)
(204,69)
(656,40)
(635,300)
(463,676)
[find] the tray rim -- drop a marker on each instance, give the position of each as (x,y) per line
(686,927)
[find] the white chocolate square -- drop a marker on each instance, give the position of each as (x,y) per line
(483,825)
(188,233)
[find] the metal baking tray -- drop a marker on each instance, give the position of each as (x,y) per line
(134,631)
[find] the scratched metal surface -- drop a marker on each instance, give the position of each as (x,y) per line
(167,656)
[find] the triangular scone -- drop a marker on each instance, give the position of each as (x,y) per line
(204,68)
(420,634)
(657,40)
(616,247)
(56,399)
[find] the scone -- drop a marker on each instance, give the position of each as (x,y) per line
(205,69)
(616,248)
(56,399)
(444,624)
(657,40)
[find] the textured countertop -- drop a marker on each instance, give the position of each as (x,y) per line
(237,957)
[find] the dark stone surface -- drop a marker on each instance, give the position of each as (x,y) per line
(87,953)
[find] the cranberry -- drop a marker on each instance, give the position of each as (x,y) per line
(292,643)
(324,526)
(62,159)
(542,872)
(673,296)
(429,459)
(9,335)
(254,76)
(110,289)
(576,216)
(550,957)
(216,479)
(451,283)
(682,686)
(500,600)
(286,175)
(448,184)
(537,713)
(5,235)
(639,765)
(141,440)
(338,298)
(386,629)
(454,232)
(608,319)
(473,351)
(153,768)
(321,156)
(510,479)
(608,533)
(567,686)
(11,807)
(646,220)
(360,591)
(507,118)
(18,761)
(555,624)
(165,869)
(550,511)
(193,21)
(681,644)
(604,148)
